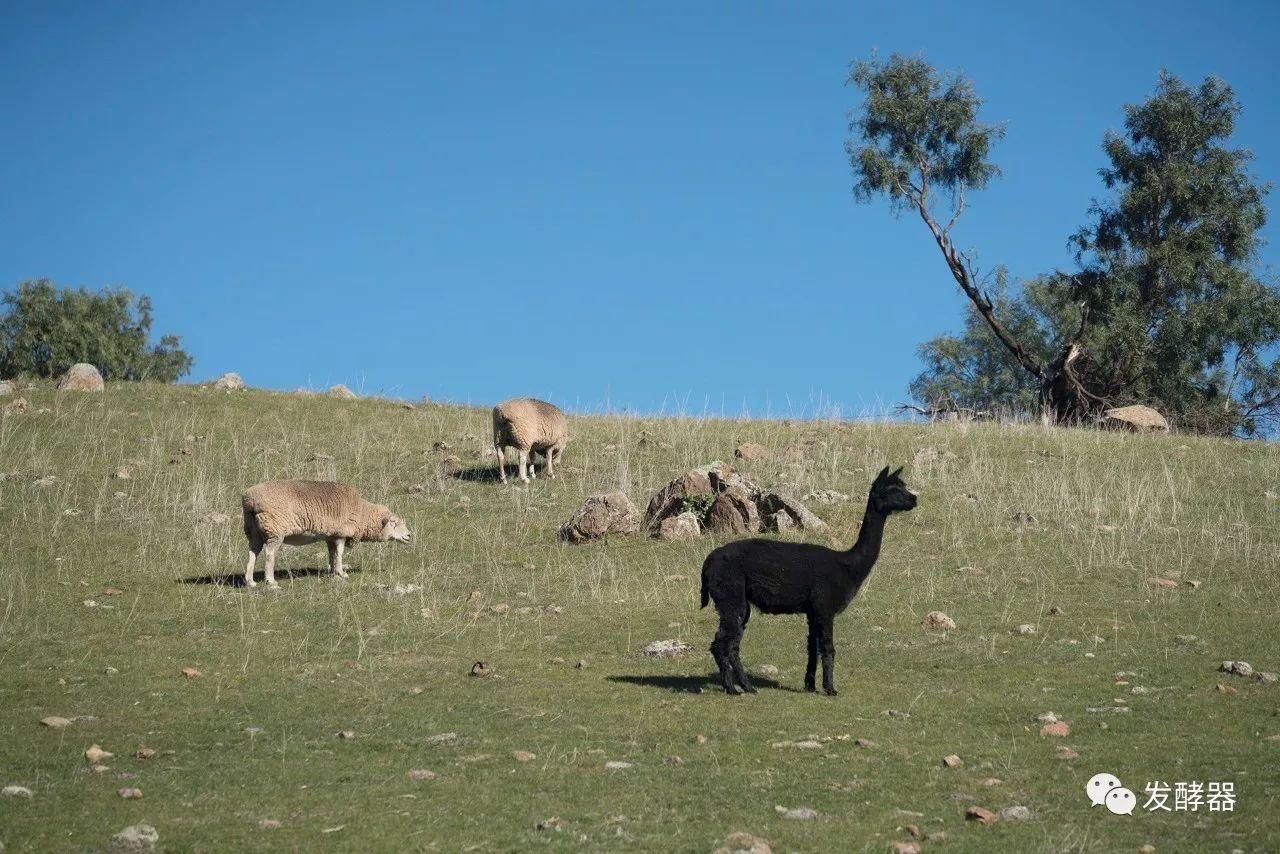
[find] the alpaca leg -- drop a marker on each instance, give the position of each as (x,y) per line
(721,649)
(740,672)
(254,548)
(272,547)
(828,647)
(811,669)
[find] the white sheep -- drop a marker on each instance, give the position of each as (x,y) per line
(299,512)
(529,426)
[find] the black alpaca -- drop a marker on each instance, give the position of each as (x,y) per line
(795,578)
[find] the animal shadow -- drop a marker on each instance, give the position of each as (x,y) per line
(692,684)
(480,474)
(236,579)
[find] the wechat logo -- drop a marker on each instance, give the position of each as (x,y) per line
(1107,790)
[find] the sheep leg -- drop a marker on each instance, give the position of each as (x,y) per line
(254,548)
(721,649)
(811,669)
(735,656)
(524,464)
(336,546)
(502,461)
(272,547)
(551,462)
(827,644)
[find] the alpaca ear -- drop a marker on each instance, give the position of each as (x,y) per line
(896,473)
(884,472)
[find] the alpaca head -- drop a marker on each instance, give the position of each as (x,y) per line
(889,494)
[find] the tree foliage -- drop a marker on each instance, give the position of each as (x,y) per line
(1165,307)
(44,331)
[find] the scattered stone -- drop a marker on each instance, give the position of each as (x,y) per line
(1022,517)
(1185,640)
(699,739)
(500,608)
(990,782)
(1239,668)
(778,521)
(751,451)
(1162,583)
(675,761)
(142,754)
(602,514)
(130,794)
(16,792)
(1016,812)
(666,648)
(769,670)
(18,404)
(809,744)
(136,837)
(682,526)
(797,813)
(524,756)
(741,842)
(345,735)
(7,388)
(825,496)
(1065,752)
(951,760)
(190,672)
(45,482)
(733,514)
(230,381)
(253,731)
(580,664)
(552,609)
(1058,729)
(980,815)
(451,466)
(55,722)
(1055,611)
(938,621)
(1024,630)
(864,743)
(268,824)
(1224,688)
(773,503)
(904,847)
(340,390)
(81,377)
(1267,677)
(553,823)
(421,774)
(617,765)
(442,738)
(1136,419)
(95,754)
(676,495)
(481,669)
(215,517)
(1194,585)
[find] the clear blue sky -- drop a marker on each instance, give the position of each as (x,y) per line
(645,205)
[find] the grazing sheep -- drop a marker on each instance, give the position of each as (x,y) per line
(299,512)
(529,426)
(795,578)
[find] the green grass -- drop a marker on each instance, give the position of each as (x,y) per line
(322,656)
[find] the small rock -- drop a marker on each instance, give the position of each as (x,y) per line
(16,792)
(1047,717)
(136,837)
(481,669)
(130,794)
(751,451)
(797,813)
(741,842)
(580,664)
(951,760)
(617,765)
(938,621)
(340,390)
(553,823)
(55,722)
(601,514)
(1017,812)
(864,743)
(500,608)
(421,774)
(81,377)
(990,782)
(95,754)
(1267,677)
(230,381)
(552,609)
(699,739)
(1162,583)
(769,670)
(442,738)
(524,756)
(666,648)
(1239,668)
(345,735)
(682,526)
(1185,639)
(904,847)
(142,754)
(268,824)
(1055,611)
(7,387)
(675,761)
(1058,729)
(190,672)
(1022,517)
(1224,688)
(1066,753)
(1194,585)
(45,482)
(980,815)
(1024,630)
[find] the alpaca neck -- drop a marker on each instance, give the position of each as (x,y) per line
(866,550)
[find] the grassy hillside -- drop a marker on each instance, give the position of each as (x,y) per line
(106,598)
